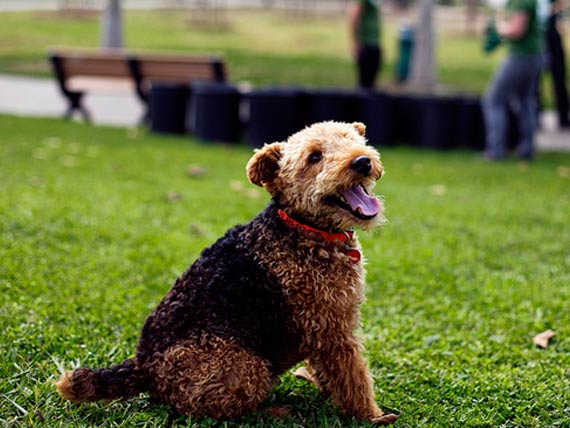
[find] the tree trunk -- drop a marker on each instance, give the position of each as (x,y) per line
(471,15)
(112,26)
(423,74)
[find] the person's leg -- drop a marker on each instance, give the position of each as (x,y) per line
(558,69)
(360,67)
(368,64)
(525,92)
(495,110)
(378,72)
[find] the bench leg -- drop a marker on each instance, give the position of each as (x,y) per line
(75,103)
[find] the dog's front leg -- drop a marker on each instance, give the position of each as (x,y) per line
(342,374)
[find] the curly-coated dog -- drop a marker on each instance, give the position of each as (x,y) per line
(283,288)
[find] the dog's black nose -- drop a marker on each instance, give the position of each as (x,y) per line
(362,165)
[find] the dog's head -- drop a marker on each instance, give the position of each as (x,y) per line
(324,174)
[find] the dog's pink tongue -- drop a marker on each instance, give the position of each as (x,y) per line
(357,198)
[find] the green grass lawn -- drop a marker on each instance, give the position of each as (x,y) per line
(97,223)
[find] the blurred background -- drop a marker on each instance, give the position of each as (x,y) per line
(296,42)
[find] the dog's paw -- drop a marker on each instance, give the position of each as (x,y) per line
(385,419)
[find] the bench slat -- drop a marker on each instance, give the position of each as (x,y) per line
(176,71)
(95,67)
(109,85)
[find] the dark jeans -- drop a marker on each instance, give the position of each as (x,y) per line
(557,65)
(515,80)
(369,62)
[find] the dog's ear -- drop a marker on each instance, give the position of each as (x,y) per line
(263,166)
(360,127)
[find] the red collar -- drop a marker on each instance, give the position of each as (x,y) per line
(343,236)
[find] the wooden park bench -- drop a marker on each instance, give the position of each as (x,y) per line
(80,71)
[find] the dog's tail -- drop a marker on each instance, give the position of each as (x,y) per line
(85,385)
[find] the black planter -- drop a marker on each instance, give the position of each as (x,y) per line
(470,123)
(438,122)
(406,118)
(215,112)
(274,114)
(333,104)
(377,111)
(168,104)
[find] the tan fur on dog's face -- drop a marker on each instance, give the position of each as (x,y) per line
(306,173)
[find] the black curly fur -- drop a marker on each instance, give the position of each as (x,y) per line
(120,381)
(226,292)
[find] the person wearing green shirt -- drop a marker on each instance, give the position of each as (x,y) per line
(364,24)
(522,29)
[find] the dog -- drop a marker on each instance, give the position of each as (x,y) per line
(284,288)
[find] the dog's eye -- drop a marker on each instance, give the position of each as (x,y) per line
(315,157)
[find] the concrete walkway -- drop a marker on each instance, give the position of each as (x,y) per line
(26,96)
(550,137)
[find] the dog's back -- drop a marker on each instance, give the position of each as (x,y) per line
(228,293)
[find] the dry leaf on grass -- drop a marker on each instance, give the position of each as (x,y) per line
(303,373)
(173,197)
(196,230)
(563,171)
(543,338)
(237,186)
(439,189)
(196,171)
(253,193)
